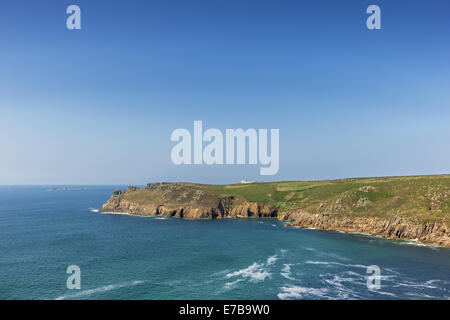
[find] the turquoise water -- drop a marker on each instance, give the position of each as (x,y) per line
(44,230)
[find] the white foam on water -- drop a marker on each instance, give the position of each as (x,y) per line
(392,271)
(118,213)
(232,284)
(256,272)
(335,256)
(426,285)
(326,254)
(298,292)
(318,262)
(93,210)
(336,263)
(220,273)
(363,234)
(339,280)
(445,282)
(86,293)
(421,296)
(134,215)
(287,268)
(340,285)
(383,293)
(271,260)
(416,242)
(286,272)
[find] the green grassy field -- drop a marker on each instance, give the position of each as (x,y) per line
(425,197)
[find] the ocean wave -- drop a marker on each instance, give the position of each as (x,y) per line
(271,260)
(331,263)
(286,272)
(317,262)
(118,213)
(267,223)
(256,272)
(392,271)
(220,273)
(383,293)
(341,286)
(416,242)
(298,292)
(364,234)
(413,242)
(422,296)
(426,285)
(232,284)
(335,256)
(326,254)
(133,215)
(86,293)
(339,280)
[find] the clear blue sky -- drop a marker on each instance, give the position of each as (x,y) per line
(98,105)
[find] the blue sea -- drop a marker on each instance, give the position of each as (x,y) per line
(45,229)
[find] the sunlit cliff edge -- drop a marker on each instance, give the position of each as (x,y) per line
(412,207)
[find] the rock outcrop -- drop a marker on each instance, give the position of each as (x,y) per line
(182,200)
(348,211)
(395,228)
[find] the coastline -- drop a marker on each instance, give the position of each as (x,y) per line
(413,209)
(406,241)
(398,228)
(290,224)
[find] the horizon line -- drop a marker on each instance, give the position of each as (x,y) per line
(239,182)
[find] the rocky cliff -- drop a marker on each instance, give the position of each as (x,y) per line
(394,228)
(183,200)
(394,207)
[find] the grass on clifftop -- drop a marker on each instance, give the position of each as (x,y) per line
(426,198)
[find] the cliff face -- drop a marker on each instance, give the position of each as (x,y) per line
(181,200)
(394,228)
(399,207)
